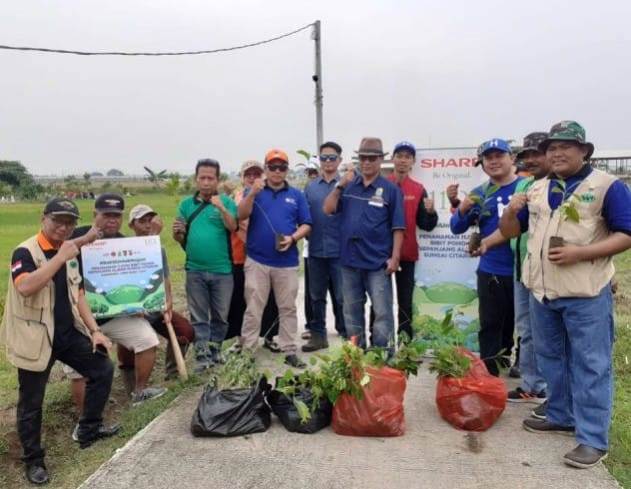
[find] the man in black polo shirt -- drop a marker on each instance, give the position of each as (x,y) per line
(40,327)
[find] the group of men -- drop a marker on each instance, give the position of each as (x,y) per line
(242,261)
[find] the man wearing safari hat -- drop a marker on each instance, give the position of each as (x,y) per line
(278,218)
(47,318)
(577,219)
(372,226)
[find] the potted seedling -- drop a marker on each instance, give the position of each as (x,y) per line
(475,239)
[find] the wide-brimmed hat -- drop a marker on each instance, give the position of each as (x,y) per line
(532,142)
(567,131)
(371,147)
(248,165)
(139,211)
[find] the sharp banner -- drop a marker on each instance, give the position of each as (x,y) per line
(445,273)
(123,276)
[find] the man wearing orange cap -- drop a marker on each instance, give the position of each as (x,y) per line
(279,217)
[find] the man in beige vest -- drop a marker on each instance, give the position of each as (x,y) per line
(577,219)
(47,318)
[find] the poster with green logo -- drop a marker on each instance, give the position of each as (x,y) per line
(124,276)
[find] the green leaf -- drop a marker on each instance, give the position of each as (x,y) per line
(572,214)
(303,410)
(557,190)
(313,360)
(365,380)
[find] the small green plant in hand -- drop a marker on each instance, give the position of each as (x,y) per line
(450,362)
(482,200)
(568,207)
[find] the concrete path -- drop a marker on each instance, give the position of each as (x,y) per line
(431,454)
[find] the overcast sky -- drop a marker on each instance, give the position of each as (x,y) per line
(438,73)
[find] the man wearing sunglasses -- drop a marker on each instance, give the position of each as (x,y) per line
(279,217)
(372,226)
(325,272)
(47,318)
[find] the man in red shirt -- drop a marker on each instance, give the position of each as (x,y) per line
(419,211)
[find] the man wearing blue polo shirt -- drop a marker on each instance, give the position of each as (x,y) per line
(372,226)
(324,249)
(279,218)
(577,219)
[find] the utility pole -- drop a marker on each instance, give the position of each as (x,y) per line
(317,78)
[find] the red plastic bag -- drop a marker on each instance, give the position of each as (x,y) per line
(379,413)
(474,402)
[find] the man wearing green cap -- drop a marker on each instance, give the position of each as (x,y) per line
(577,219)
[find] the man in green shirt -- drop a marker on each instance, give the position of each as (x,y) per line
(202,227)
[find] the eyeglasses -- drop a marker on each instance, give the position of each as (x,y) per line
(58,222)
(372,159)
(278,167)
(253,174)
(325,158)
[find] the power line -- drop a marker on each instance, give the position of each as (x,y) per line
(177,53)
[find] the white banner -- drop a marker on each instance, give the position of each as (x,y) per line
(445,273)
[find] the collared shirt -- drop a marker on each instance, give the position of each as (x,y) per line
(324,240)
(369,215)
(275,211)
(208,241)
(22,264)
(616,207)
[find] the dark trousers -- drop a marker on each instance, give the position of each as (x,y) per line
(404,279)
(497,318)
(269,322)
(308,303)
(95,367)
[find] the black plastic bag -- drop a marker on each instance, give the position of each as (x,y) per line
(232,412)
(283,407)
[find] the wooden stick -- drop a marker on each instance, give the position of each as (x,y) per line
(177,353)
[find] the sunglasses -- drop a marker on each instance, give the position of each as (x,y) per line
(372,159)
(278,167)
(325,158)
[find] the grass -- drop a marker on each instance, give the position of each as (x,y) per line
(70,466)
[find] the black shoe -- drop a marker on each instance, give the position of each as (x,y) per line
(541,426)
(540,411)
(293,361)
(317,342)
(271,345)
(584,457)
(37,474)
(87,439)
(306,335)
(514,372)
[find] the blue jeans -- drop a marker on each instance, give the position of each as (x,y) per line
(574,339)
(323,271)
(208,296)
(357,282)
(531,378)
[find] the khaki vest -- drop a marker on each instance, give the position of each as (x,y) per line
(28,325)
(583,279)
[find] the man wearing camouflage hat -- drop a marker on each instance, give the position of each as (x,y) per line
(577,219)
(533,387)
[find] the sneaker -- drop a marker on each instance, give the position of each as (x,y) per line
(103,431)
(584,457)
(293,361)
(146,394)
(540,411)
(271,345)
(306,335)
(37,474)
(514,372)
(317,342)
(541,426)
(520,395)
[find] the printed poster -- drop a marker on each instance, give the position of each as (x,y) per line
(123,276)
(445,273)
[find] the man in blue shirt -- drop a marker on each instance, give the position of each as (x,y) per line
(372,226)
(279,218)
(483,208)
(324,249)
(577,219)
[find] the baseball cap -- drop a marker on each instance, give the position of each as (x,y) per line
(495,144)
(109,203)
(276,154)
(60,206)
(532,142)
(404,146)
(247,165)
(139,211)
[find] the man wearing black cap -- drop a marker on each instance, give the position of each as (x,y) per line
(134,333)
(47,318)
